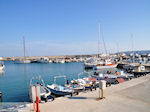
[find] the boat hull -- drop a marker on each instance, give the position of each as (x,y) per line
(106,67)
(59,93)
(88,66)
(24,61)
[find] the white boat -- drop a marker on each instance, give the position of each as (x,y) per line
(109,78)
(60,90)
(84,83)
(99,64)
(105,66)
(44,60)
(42,91)
(62,61)
(125,76)
(2,66)
(89,63)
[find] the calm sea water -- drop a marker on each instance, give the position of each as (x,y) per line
(14,82)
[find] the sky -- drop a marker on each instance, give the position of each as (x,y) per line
(67,27)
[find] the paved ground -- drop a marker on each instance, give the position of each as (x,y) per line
(130,96)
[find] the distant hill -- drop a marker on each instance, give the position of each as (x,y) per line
(138,52)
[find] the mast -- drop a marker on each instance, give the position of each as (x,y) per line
(104,43)
(24,48)
(132,46)
(117,44)
(98,39)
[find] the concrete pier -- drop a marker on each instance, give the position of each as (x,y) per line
(130,96)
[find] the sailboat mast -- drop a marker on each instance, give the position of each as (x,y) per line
(104,43)
(117,44)
(132,46)
(98,39)
(24,47)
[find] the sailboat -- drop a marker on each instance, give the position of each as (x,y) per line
(98,63)
(105,63)
(24,60)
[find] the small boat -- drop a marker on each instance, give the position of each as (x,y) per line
(89,63)
(85,83)
(62,61)
(88,66)
(109,78)
(2,66)
(140,71)
(125,76)
(43,60)
(60,90)
(42,91)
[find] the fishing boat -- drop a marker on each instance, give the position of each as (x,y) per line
(38,85)
(24,60)
(60,90)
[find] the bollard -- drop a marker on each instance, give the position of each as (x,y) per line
(37,101)
(37,104)
(102,86)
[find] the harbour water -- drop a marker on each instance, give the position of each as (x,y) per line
(14,82)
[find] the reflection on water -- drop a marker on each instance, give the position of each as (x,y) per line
(25,75)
